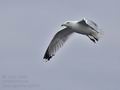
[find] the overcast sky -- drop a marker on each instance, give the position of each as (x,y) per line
(26,29)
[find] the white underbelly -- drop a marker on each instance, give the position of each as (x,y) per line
(83,30)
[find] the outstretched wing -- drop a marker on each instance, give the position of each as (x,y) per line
(57,42)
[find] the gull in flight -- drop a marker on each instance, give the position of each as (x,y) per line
(84,27)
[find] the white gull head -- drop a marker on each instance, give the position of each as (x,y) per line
(69,23)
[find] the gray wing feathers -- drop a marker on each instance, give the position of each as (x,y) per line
(57,42)
(92,24)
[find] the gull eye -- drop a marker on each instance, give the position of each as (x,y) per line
(68,22)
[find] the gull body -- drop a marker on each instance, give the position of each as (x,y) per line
(84,27)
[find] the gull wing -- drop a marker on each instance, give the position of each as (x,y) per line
(57,42)
(92,24)
(89,23)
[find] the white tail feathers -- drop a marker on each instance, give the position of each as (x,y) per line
(100,33)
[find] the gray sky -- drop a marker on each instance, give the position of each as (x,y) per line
(27,27)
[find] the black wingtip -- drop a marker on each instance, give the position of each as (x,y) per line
(47,55)
(93,40)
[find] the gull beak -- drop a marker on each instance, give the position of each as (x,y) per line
(63,25)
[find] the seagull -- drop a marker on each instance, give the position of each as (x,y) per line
(85,27)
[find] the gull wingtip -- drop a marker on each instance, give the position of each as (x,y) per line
(47,56)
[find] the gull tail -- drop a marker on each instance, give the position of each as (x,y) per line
(98,35)
(101,33)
